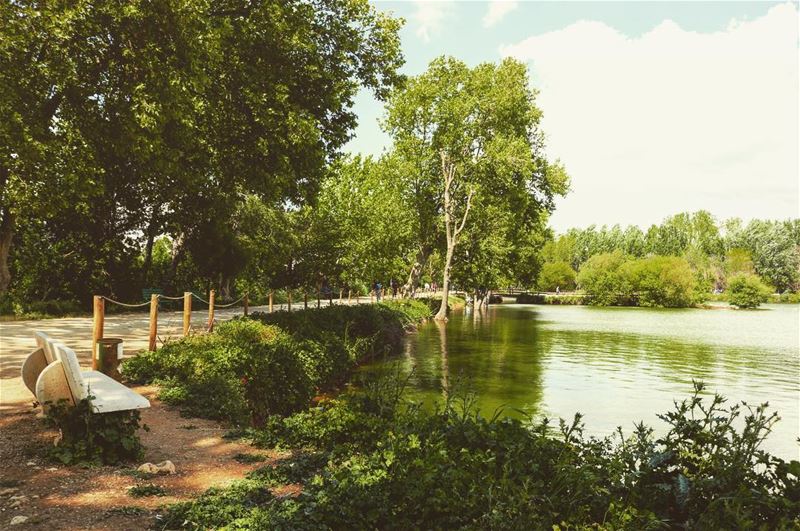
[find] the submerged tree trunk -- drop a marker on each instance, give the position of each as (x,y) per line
(452,229)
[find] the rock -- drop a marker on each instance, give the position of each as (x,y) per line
(164,467)
(19,520)
(8,490)
(148,468)
(17,501)
(52,469)
(31,463)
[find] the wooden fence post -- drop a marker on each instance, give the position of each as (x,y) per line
(211,296)
(319,294)
(187,312)
(349,295)
(341,295)
(305,300)
(270,300)
(99,311)
(289,295)
(246,305)
(153,322)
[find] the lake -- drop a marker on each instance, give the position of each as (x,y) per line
(617,366)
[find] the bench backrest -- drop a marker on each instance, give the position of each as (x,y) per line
(44,342)
(72,370)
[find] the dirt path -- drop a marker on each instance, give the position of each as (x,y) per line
(57,497)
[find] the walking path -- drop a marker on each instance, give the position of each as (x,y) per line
(16,337)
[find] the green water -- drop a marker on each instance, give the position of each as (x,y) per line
(615,365)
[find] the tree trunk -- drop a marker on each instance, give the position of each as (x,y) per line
(441,315)
(6,231)
(177,255)
(452,229)
(152,229)
(6,237)
(411,285)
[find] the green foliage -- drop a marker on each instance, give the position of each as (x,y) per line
(715,251)
(603,280)
(375,462)
(90,438)
(146,490)
(663,281)
(615,279)
(747,291)
(473,170)
(101,111)
(249,369)
(557,275)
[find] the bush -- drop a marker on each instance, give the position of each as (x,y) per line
(89,438)
(370,465)
(747,291)
(603,281)
(661,281)
(249,369)
(557,275)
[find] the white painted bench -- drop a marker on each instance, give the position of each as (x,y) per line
(52,373)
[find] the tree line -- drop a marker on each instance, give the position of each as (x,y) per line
(692,250)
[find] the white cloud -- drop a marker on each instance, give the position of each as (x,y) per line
(430,15)
(498,9)
(673,120)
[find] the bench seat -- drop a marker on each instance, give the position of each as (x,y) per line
(52,373)
(110,395)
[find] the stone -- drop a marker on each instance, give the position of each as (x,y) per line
(8,490)
(166,467)
(19,520)
(148,468)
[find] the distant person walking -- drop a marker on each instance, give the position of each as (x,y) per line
(378,287)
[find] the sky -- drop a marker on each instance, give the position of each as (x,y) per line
(655,108)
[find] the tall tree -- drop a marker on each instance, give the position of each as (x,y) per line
(470,134)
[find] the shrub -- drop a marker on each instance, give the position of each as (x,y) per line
(557,275)
(367,466)
(662,281)
(603,281)
(90,438)
(573,299)
(272,364)
(747,291)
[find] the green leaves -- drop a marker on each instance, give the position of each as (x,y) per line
(93,439)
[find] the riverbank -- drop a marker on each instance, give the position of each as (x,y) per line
(371,459)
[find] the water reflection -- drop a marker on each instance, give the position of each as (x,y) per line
(616,366)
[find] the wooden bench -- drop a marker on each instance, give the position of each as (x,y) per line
(52,373)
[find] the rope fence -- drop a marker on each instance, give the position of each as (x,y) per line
(99,302)
(98,311)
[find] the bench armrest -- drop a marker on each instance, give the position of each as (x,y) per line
(52,386)
(32,367)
